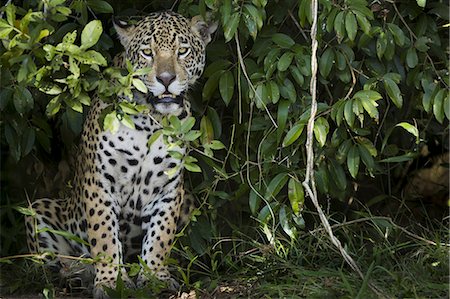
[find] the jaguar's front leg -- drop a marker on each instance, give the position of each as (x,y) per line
(103,231)
(159,224)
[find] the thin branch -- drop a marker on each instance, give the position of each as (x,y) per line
(297,25)
(244,70)
(309,183)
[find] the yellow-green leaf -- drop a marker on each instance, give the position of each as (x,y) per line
(321,129)
(293,134)
(438,107)
(139,85)
(91,34)
(296,195)
(393,92)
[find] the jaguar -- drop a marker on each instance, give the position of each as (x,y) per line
(123,203)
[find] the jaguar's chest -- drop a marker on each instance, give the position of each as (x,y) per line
(130,168)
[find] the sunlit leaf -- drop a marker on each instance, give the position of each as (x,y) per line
(393,92)
(91,34)
(296,195)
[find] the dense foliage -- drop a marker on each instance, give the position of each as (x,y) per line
(383,91)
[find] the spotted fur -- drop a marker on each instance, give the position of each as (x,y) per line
(123,204)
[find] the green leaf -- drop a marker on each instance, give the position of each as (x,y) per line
(326,62)
(353,160)
(91,34)
(447,106)
(260,96)
(275,185)
(231,26)
(4,32)
(64,234)
(304,12)
(350,25)
(226,87)
(421,44)
(430,89)
(225,9)
(28,139)
(25,211)
(298,77)
(366,157)
(254,201)
(370,107)
(421,3)
(402,158)
(411,129)
(393,92)
(274,92)
(216,122)
(321,129)
(381,44)
(296,195)
(399,36)
(348,113)
(211,86)
(290,91)
(139,85)
(175,122)
(285,61)
(411,58)
(363,23)
(23,100)
(339,26)
(207,130)
(50,88)
(10,14)
(438,108)
(217,145)
(6,95)
(127,121)
(92,58)
(111,122)
(154,137)
(282,115)
(368,94)
(53,106)
(283,40)
(337,174)
(330,19)
(187,124)
(290,231)
(192,167)
(100,6)
(293,134)
(192,135)
(251,26)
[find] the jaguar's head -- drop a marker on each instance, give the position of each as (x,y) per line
(174,48)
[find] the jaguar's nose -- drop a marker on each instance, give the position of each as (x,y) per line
(165,78)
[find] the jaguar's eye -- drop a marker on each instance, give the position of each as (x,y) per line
(183,51)
(147,53)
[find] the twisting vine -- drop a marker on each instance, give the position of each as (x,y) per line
(309,183)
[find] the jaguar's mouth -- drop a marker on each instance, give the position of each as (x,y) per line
(166,98)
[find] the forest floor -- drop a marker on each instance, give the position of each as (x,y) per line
(408,261)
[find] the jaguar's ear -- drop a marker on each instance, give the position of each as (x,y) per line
(203,29)
(124,29)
